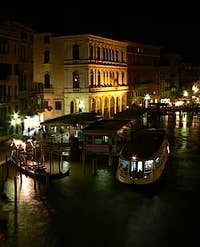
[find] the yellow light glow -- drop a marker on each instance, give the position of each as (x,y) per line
(179,103)
(16,120)
(134,157)
(15,115)
(185,93)
(195,88)
(81,104)
(19,144)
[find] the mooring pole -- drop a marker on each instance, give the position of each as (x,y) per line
(110,155)
(94,166)
(83,159)
(15,189)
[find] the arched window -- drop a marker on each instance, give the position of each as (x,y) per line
(46,57)
(122,78)
(75,52)
(113,55)
(75,80)
(93,105)
(22,81)
(98,53)
(117,78)
(47,81)
(106,110)
(104,54)
(117,104)
(117,58)
(91,55)
(112,106)
(99,78)
(91,78)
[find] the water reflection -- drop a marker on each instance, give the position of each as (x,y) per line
(89,210)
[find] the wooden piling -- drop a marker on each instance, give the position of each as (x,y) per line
(94,167)
(15,191)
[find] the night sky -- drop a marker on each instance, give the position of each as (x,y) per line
(174,27)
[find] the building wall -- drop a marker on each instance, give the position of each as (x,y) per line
(99,89)
(71,82)
(53,67)
(16,69)
(143,72)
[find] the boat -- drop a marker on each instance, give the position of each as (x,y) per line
(143,158)
(24,156)
(31,168)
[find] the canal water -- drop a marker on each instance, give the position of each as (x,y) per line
(88,210)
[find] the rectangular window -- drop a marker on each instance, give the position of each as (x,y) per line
(46,39)
(58,105)
(45,104)
(133,166)
(91,52)
(139,168)
(16,69)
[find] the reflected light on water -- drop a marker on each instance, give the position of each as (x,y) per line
(25,188)
(103,180)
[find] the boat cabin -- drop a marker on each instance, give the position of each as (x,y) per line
(106,137)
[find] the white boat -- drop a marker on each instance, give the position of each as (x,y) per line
(143,159)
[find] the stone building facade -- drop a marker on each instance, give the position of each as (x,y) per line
(81,73)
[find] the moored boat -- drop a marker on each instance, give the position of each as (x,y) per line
(143,158)
(30,160)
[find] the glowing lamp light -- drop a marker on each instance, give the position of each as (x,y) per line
(195,88)
(134,157)
(185,93)
(81,105)
(15,115)
(15,121)
(147,97)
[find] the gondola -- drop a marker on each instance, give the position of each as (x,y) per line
(35,167)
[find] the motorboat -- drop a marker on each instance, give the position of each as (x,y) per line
(143,158)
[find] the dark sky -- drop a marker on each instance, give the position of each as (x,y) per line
(174,27)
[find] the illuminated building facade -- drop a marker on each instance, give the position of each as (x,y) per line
(170,76)
(143,73)
(18,93)
(81,73)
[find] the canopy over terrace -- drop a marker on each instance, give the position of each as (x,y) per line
(82,118)
(67,126)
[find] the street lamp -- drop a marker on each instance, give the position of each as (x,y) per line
(16,121)
(146,99)
(81,105)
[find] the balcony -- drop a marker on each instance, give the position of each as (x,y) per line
(108,88)
(37,87)
(48,89)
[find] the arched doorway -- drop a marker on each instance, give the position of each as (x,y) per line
(106,110)
(72,107)
(117,105)
(112,107)
(93,105)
